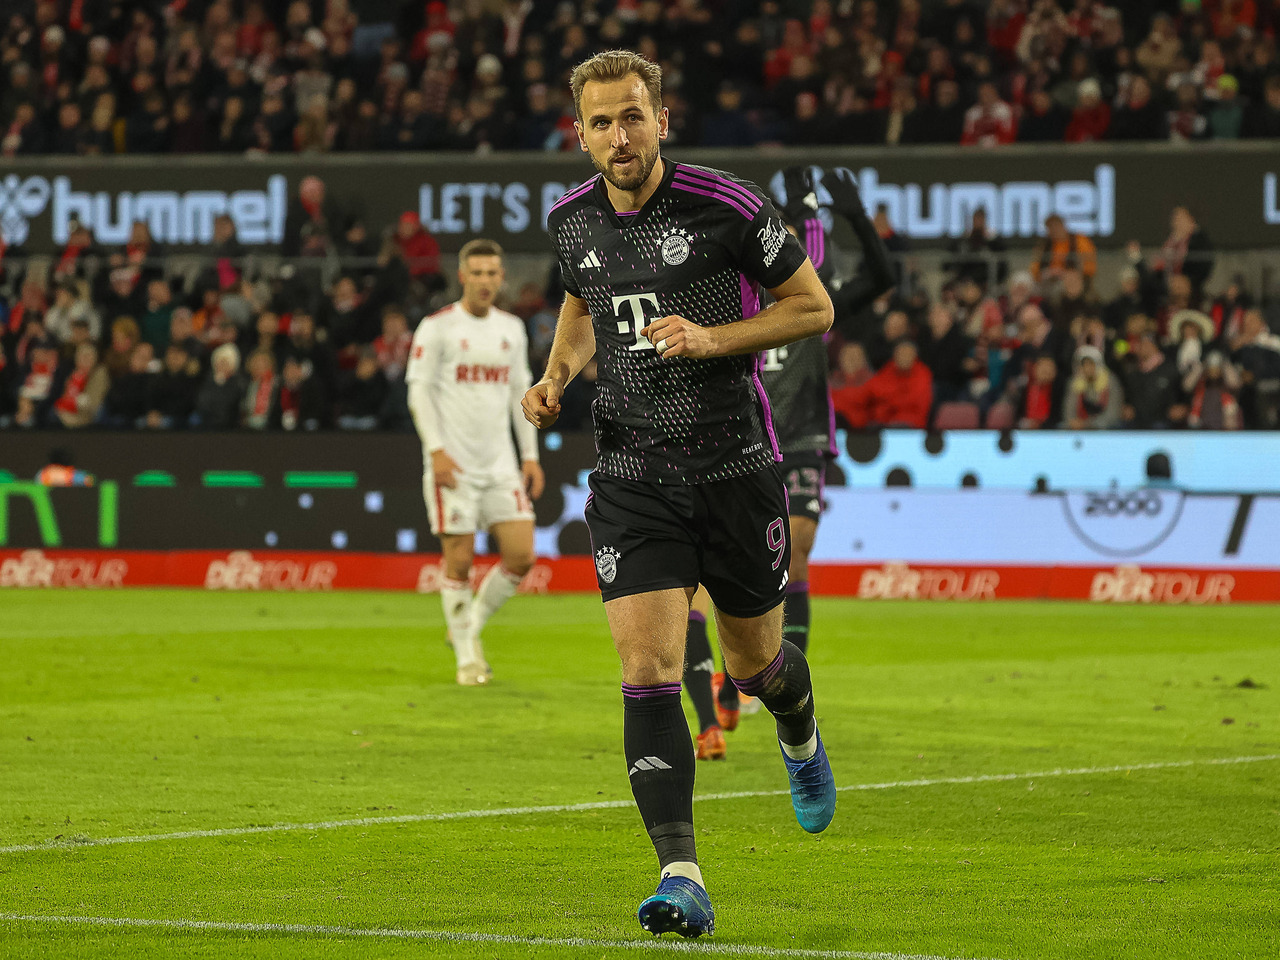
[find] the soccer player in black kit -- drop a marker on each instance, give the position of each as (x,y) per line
(663,264)
(795,379)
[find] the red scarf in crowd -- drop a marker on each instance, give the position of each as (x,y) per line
(262,396)
(75,386)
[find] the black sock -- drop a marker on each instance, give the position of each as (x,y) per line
(786,691)
(728,696)
(661,766)
(698,667)
(795,614)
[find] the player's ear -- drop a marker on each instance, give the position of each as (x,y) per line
(664,120)
(582,136)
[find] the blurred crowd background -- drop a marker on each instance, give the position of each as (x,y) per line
(316,338)
(87,77)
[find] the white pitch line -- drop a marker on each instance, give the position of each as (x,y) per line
(62,845)
(449,936)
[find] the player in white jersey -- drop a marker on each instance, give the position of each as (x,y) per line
(468,371)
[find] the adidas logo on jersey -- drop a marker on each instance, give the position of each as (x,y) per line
(648,763)
(592,259)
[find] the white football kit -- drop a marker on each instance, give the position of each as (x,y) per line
(466,378)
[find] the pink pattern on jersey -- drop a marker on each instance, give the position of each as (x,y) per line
(750,307)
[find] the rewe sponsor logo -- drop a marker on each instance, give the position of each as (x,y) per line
(482,373)
(240,571)
(172,217)
(34,569)
(1015,208)
(1130,584)
(897,581)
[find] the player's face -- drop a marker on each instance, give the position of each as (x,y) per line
(481,278)
(621,131)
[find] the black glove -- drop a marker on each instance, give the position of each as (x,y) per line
(845,199)
(801,202)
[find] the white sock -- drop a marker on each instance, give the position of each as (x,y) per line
(455,597)
(804,750)
(683,868)
(497,587)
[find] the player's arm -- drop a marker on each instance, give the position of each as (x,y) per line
(801,309)
(574,345)
(424,363)
(876,275)
(526,433)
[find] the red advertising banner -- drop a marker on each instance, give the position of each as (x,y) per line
(280,570)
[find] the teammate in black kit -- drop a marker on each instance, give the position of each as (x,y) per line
(795,378)
(663,264)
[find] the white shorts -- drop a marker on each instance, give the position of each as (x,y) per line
(475,503)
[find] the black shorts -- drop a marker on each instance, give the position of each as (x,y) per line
(729,535)
(805,475)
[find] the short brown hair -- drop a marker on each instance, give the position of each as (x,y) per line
(614,65)
(479,247)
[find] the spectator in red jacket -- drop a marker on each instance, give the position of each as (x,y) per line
(420,250)
(1091,117)
(899,395)
(989,122)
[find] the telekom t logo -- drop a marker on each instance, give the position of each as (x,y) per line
(636,302)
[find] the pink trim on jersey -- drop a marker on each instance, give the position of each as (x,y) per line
(721,183)
(574,193)
(677,185)
(750,307)
(750,297)
(815,241)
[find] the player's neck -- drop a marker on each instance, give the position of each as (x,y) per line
(475,309)
(629,201)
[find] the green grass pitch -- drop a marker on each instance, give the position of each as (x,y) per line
(154,713)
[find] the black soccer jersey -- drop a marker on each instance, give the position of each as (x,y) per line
(795,376)
(702,247)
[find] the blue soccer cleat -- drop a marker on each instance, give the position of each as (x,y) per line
(679,906)
(813,789)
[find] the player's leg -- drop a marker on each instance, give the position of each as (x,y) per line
(648,633)
(505,510)
(804,475)
(515,551)
(746,572)
(455,596)
(646,567)
(698,668)
(783,684)
(452,512)
(795,608)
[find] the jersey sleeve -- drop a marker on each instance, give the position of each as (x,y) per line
(422,359)
(566,268)
(768,253)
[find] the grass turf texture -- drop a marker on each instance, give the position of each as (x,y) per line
(146,712)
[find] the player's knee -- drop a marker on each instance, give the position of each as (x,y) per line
(519,563)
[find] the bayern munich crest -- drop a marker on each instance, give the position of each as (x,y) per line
(607,563)
(675,247)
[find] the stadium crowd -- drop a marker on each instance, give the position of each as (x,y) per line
(187,76)
(129,338)
(121,338)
